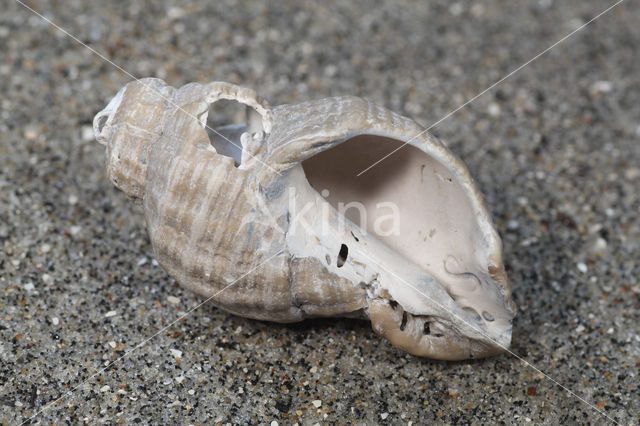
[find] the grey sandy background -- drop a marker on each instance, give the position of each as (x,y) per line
(555,149)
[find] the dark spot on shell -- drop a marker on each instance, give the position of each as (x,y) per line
(403,324)
(273,191)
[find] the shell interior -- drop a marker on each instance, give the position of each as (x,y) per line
(415,205)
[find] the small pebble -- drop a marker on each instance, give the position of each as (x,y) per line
(175,12)
(45,248)
(582,267)
(191,392)
(313,370)
(176,353)
(113,344)
(87,133)
(317,403)
(580,328)
(599,245)
(111,314)
(105,388)
(75,230)
(274,423)
(601,87)
(30,134)
(73,199)
(632,173)
(55,320)
(18,404)
(142,261)
(384,416)
(173,300)
(179,379)
(456,9)
(29,287)
(493,110)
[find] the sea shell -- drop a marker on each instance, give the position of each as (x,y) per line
(254,215)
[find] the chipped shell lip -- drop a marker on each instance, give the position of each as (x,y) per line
(102,119)
(430,339)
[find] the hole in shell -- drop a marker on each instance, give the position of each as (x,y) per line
(426,330)
(227,120)
(342,255)
(101,122)
(403,324)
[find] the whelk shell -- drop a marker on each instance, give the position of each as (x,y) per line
(273,206)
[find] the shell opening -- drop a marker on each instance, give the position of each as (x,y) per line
(227,122)
(418,207)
